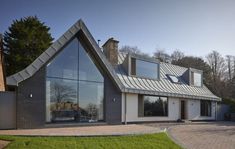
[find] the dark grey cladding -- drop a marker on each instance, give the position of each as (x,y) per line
(113,103)
(186,77)
(31,101)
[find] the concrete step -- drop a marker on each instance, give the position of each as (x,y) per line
(187,121)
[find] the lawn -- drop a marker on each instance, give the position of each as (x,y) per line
(159,141)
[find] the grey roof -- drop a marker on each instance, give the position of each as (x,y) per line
(56,47)
(124,82)
(163,86)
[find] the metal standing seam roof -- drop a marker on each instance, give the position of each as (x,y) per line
(127,84)
(163,86)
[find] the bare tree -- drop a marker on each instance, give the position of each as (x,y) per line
(230,66)
(218,67)
(177,55)
(132,49)
(92,111)
(233,67)
(62,93)
(162,56)
(217,64)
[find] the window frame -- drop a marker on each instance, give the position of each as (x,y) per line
(142,115)
(133,69)
(132,60)
(179,78)
(94,61)
(191,77)
(209,112)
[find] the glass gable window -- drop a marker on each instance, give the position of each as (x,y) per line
(205,108)
(145,69)
(74,86)
(196,79)
(87,69)
(152,106)
(65,64)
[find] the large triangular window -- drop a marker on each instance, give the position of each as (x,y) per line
(74,86)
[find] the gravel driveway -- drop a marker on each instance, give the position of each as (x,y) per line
(217,135)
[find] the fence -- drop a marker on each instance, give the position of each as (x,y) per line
(7,110)
(221,110)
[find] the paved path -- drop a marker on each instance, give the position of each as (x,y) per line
(85,131)
(220,135)
(3,143)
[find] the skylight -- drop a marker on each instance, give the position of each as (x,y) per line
(174,78)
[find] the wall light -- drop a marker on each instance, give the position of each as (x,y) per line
(30,95)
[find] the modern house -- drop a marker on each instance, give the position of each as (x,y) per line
(76,81)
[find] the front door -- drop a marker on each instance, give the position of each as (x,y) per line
(182,109)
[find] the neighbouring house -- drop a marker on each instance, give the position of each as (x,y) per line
(2,73)
(76,81)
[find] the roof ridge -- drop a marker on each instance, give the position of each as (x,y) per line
(56,47)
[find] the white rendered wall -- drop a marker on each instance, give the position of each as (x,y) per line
(194,110)
(132,110)
(123,107)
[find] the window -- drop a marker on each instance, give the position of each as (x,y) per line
(205,108)
(133,66)
(174,79)
(144,69)
(74,86)
(196,79)
(152,106)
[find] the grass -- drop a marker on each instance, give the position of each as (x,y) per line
(158,141)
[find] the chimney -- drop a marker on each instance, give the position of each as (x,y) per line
(2,74)
(110,49)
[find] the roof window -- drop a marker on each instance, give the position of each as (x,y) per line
(144,69)
(174,79)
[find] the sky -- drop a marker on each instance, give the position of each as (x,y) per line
(196,27)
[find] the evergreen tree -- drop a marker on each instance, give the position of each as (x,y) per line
(26,39)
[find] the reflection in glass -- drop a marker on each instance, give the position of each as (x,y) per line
(197,79)
(63,99)
(174,78)
(74,86)
(91,100)
(65,64)
(152,106)
(145,69)
(87,69)
(205,108)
